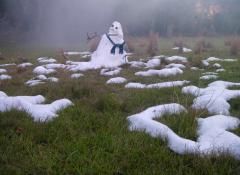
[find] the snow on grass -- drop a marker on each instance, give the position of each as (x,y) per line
(6,65)
(32,83)
(55,66)
(162,73)
(208,77)
(5,77)
(40,79)
(219,59)
(78,75)
(212,131)
(184,49)
(24,65)
(3,71)
(205,63)
(73,53)
(110,71)
(153,63)
(176,58)
(214,98)
(32,105)
(196,68)
(217,65)
(40,70)
(173,65)
(46,60)
(220,70)
(116,80)
(156,85)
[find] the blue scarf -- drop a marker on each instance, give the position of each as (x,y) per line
(120,46)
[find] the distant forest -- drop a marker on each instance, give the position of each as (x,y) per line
(167,17)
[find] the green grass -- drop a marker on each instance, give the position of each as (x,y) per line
(92,137)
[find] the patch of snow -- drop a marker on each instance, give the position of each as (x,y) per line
(77,75)
(185,50)
(5,77)
(72,53)
(157,85)
(195,68)
(5,65)
(162,73)
(216,65)
(43,71)
(46,60)
(24,65)
(32,105)
(172,65)
(111,71)
(117,80)
(153,63)
(214,97)
(220,70)
(212,131)
(205,63)
(208,77)
(176,58)
(210,73)
(137,64)
(32,83)
(3,71)
(55,66)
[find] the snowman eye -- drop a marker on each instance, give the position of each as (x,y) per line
(112,25)
(116,27)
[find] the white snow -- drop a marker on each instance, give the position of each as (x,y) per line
(157,85)
(46,60)
(117,80)
(216,65)
(78,75)
(208,77)
(111,71)
(24,65)
(40,79)
(162,73)
(205,63)
(196,68)
(3,71)
(214,98)
(173,65)
(153,63)
(55,66)
(40,70)
(5,77)
(220,70)
(176,58)
(34,82)
(137,64)
(32,105)
(210,73)
(212,131)
(5,65)
(213,59)
(72,53)
(185,50)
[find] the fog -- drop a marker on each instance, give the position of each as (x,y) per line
(68,21)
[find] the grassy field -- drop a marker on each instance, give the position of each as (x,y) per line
(92,137)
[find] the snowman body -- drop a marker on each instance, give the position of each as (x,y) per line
(110,52)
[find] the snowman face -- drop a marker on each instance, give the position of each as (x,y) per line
(116,29)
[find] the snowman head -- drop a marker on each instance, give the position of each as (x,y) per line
(116,30)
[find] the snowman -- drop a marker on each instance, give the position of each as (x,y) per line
(110,51)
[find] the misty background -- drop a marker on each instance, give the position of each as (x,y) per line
(68,21)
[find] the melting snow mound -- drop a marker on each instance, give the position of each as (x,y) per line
(32,105)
